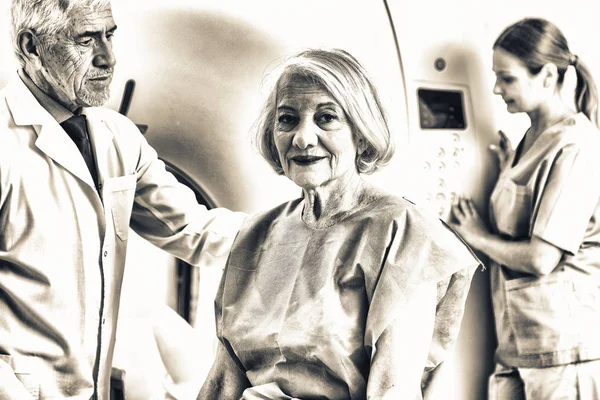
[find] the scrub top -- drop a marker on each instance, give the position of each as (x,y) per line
(552,192)
(301,309)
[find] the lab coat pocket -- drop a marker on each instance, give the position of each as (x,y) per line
(27,380)
(540,314)
(587,310)
(122,194)
(512,208)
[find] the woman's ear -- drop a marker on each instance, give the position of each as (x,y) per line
(549,74)
(30,47)
(361,146)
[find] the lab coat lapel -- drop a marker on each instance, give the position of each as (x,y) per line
(57,144)
(102,138)
(52,139)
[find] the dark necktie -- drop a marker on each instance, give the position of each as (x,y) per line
(76,127)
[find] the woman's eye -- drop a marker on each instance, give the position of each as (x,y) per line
(286,122)
(285,119)
(508,79)
(327,118)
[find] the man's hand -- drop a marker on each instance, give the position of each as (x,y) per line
(10,387)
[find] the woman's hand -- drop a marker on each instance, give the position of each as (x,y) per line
(469,224)
(503,151)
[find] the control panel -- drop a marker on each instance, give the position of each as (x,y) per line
(442,145)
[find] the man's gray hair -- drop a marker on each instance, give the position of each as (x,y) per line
(46,18)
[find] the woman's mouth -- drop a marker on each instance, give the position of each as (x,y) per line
(307,160)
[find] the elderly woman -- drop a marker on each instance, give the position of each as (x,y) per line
(346,292)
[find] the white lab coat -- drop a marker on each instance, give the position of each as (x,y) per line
(63,245)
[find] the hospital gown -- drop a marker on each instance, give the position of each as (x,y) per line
(301,309)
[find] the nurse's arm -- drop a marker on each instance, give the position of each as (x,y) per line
(534,256)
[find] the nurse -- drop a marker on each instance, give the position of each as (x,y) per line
(543,237)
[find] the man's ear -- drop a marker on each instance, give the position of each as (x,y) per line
(30,47)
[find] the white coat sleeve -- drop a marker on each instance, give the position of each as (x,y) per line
(166,213)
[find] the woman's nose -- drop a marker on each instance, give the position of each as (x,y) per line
(305,136)
(497,89)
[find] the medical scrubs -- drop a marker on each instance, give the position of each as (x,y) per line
(301,309)
(551,191)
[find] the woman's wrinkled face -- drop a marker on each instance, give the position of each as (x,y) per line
(313,136)
(78,68)
(520,90)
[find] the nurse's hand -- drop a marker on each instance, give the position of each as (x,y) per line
(503,150)
(469,225)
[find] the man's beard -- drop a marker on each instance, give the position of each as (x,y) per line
(94,98)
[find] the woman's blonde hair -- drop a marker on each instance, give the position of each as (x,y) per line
(340,74)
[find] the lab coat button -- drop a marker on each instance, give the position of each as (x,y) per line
(105,253)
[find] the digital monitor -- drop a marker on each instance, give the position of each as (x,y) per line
(441,109)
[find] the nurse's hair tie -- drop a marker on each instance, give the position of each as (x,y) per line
(573,60)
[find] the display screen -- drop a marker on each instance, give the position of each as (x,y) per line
(441,109)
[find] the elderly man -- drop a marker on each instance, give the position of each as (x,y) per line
(73,178)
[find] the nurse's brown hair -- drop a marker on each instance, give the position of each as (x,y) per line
(537,42)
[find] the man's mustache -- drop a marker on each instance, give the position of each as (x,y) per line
(105,73)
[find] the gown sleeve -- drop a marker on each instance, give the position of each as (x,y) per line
(424,258)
